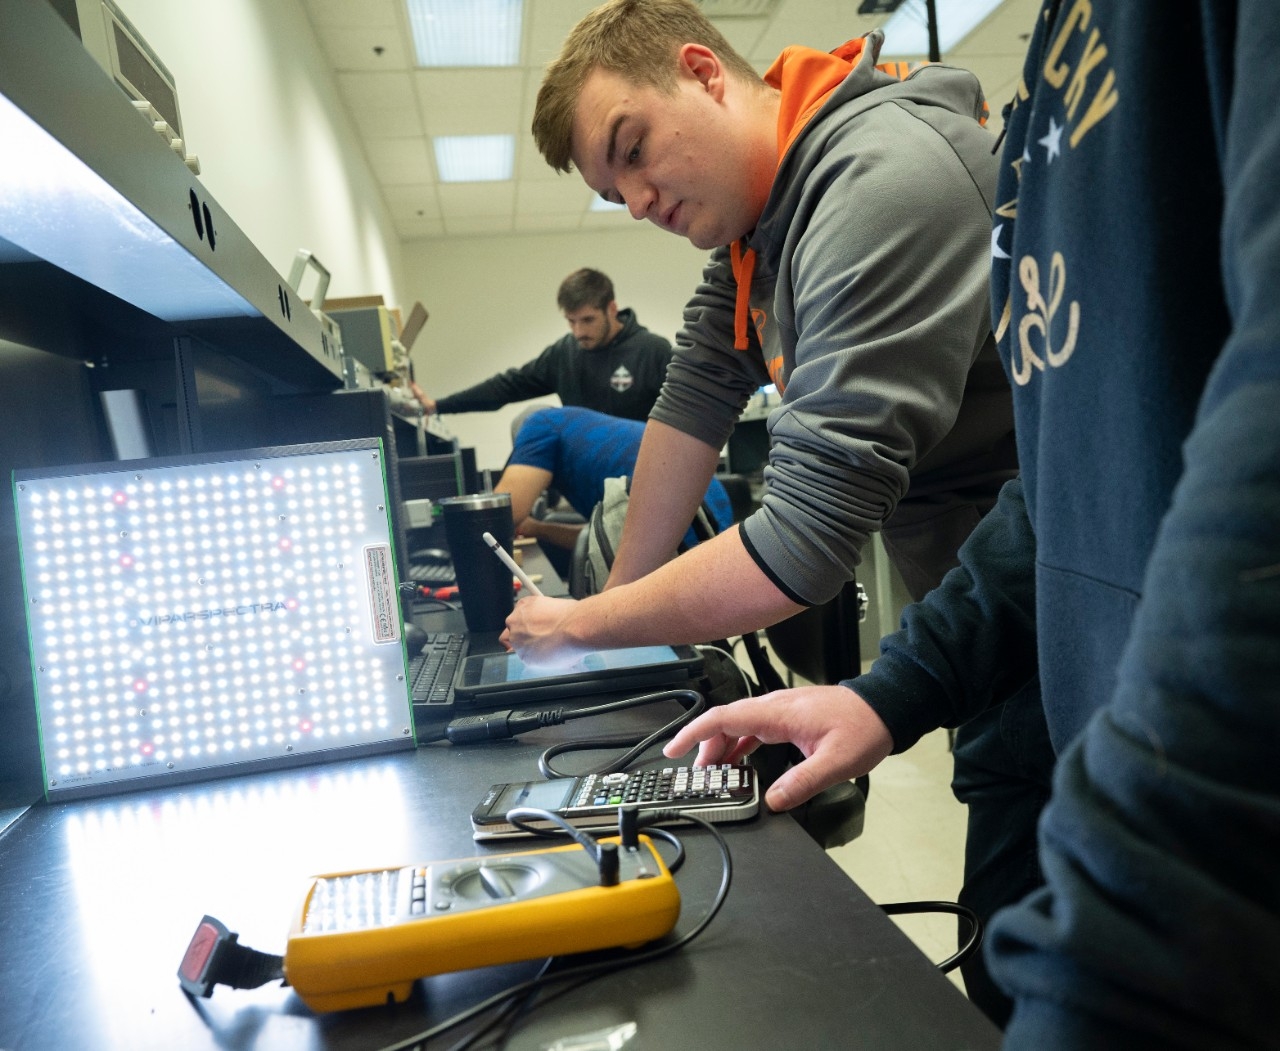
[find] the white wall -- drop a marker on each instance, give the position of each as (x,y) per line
(492,305)
(276,148)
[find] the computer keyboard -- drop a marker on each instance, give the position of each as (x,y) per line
(431,671)
(433,574)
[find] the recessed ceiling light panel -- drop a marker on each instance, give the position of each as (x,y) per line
(470,33)
(474,158)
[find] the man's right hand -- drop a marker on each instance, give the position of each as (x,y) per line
(839,734)
(428,404)
(536,631)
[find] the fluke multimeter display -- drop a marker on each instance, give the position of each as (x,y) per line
(364,937)
(713,793)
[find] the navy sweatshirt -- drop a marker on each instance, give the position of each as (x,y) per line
(1135,566)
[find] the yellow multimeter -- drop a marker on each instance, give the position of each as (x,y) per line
(364,937)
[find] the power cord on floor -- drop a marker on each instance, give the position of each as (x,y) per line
(972,943)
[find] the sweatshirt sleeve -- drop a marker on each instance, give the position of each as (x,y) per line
(534,379)
(707,383)
(1160,923)
(970,642)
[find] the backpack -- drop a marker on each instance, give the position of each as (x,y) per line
(598,542)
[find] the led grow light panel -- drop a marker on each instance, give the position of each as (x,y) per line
(204,615)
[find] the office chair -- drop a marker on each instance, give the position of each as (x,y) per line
(821,643)
(577,578)
(549,507)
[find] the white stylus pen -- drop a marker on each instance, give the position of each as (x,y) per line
(510,563)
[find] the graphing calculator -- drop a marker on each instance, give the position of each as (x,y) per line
(713,793)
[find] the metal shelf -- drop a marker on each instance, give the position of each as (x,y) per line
(99,209)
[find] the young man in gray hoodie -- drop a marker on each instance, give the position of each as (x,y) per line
(848,209)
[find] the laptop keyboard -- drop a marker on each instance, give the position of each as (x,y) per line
(432,574)
(431,671)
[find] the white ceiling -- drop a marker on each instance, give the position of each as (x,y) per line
(397,107)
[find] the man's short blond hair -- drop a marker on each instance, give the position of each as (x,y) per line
(637,39)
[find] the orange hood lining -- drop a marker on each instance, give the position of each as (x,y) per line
(805,79)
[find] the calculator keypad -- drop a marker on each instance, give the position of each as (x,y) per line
(668,785)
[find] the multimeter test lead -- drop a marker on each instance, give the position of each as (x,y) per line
(510,563)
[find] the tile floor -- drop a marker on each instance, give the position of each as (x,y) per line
(912,846)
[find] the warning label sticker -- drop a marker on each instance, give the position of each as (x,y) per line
(383,595)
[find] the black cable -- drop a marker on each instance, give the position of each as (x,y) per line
(721,893)
(444,603)
(635,746)
(518,816)
(595,969)
(508,722)
(510,1013)
(625,811)
(673,866)
(974,942)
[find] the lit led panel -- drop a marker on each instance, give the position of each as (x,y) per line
(200,616)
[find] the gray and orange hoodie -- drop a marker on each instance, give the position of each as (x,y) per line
(863,294)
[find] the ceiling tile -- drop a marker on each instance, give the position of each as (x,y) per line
(412,202)
(569,197)
(382,105)
(380,13)
(420,229)
(610,221)
(357,48)
(399,162)
(530,167)
(377,90)
(474,199)
(811,23)
(463,226)
(470,101)
(1006,32)
(743,34)
(546,224)
(549,22)
(529,100)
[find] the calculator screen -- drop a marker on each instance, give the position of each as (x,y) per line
(545,795)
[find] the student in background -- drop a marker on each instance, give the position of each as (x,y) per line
(573,451)
(1135,566)
(608,362)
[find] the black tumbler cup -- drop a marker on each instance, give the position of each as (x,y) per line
(484,583)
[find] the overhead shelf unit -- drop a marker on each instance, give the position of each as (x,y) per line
(104,229)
